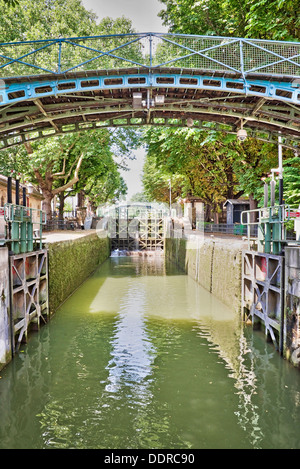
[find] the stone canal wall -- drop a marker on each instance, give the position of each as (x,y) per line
(71,262)
(5,331)
(292,305)
(214,263)
(220,266)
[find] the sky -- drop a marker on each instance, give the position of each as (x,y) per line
(143,14)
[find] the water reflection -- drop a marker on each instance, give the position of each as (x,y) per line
(141,357)
(132,352)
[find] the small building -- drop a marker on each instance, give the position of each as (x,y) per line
(234,208)
(33,200)
(193,210)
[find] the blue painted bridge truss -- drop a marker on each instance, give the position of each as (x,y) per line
(51,87)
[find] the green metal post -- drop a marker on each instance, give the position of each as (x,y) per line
(23,229)
(15,234)
(41,229)
(276,238)
(30,233)
(260,236)
(268,237)
(23,236)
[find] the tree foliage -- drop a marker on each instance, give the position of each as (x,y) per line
(40,19)
(292,181)
(215,166)
(260,19)
(210,165)
(83,161)
(88,161)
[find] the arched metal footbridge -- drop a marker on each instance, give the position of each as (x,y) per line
(54,86)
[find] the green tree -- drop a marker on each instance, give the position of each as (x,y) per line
(207,164)
(204,17)
(40,19)
(292,181)
(272,19)
(52,19)
(87,162)
(158,180)
(73,161)
(110,187)
(12,3)
(138,197)
(203,160)
(262,19)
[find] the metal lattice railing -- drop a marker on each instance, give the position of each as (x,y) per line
(24,227)
(150,50)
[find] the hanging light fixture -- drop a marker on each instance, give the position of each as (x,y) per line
(136,100)
(190,122)
(242,133)
(159,99)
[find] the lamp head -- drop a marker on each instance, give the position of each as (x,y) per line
(242,135)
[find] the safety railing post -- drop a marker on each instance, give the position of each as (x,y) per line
(242,59)
(23,231)
(30,232)
(150,45)
(59,58)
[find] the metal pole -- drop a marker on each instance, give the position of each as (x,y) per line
(9,201)
(170,194)
(266,195)
(59,58)
(281,227)
(30,232)
(150,39)
(9,190)
(272,190)
(23,231)
(24,197)
(17,192)
(280,170)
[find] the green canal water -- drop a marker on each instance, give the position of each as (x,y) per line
(142,357)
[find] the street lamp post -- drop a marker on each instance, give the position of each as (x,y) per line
(280,170)
(170,194)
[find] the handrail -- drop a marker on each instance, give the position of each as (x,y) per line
(20,222)
(150,50)
(271,230)
(267,213)
(20,213)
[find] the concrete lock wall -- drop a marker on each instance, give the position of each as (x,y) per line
(71,263)
(5,332)
(292,305)
(216,266)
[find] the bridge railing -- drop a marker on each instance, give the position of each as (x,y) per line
(150,50)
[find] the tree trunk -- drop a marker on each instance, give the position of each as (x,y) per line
(80,198)
(61,196)
(253,216)
(47,204)
(46,183)
(253,206)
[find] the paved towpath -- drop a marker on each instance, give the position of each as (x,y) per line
(64,235)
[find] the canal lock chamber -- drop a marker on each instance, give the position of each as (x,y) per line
(266,287)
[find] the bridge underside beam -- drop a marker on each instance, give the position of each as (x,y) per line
(31,109)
